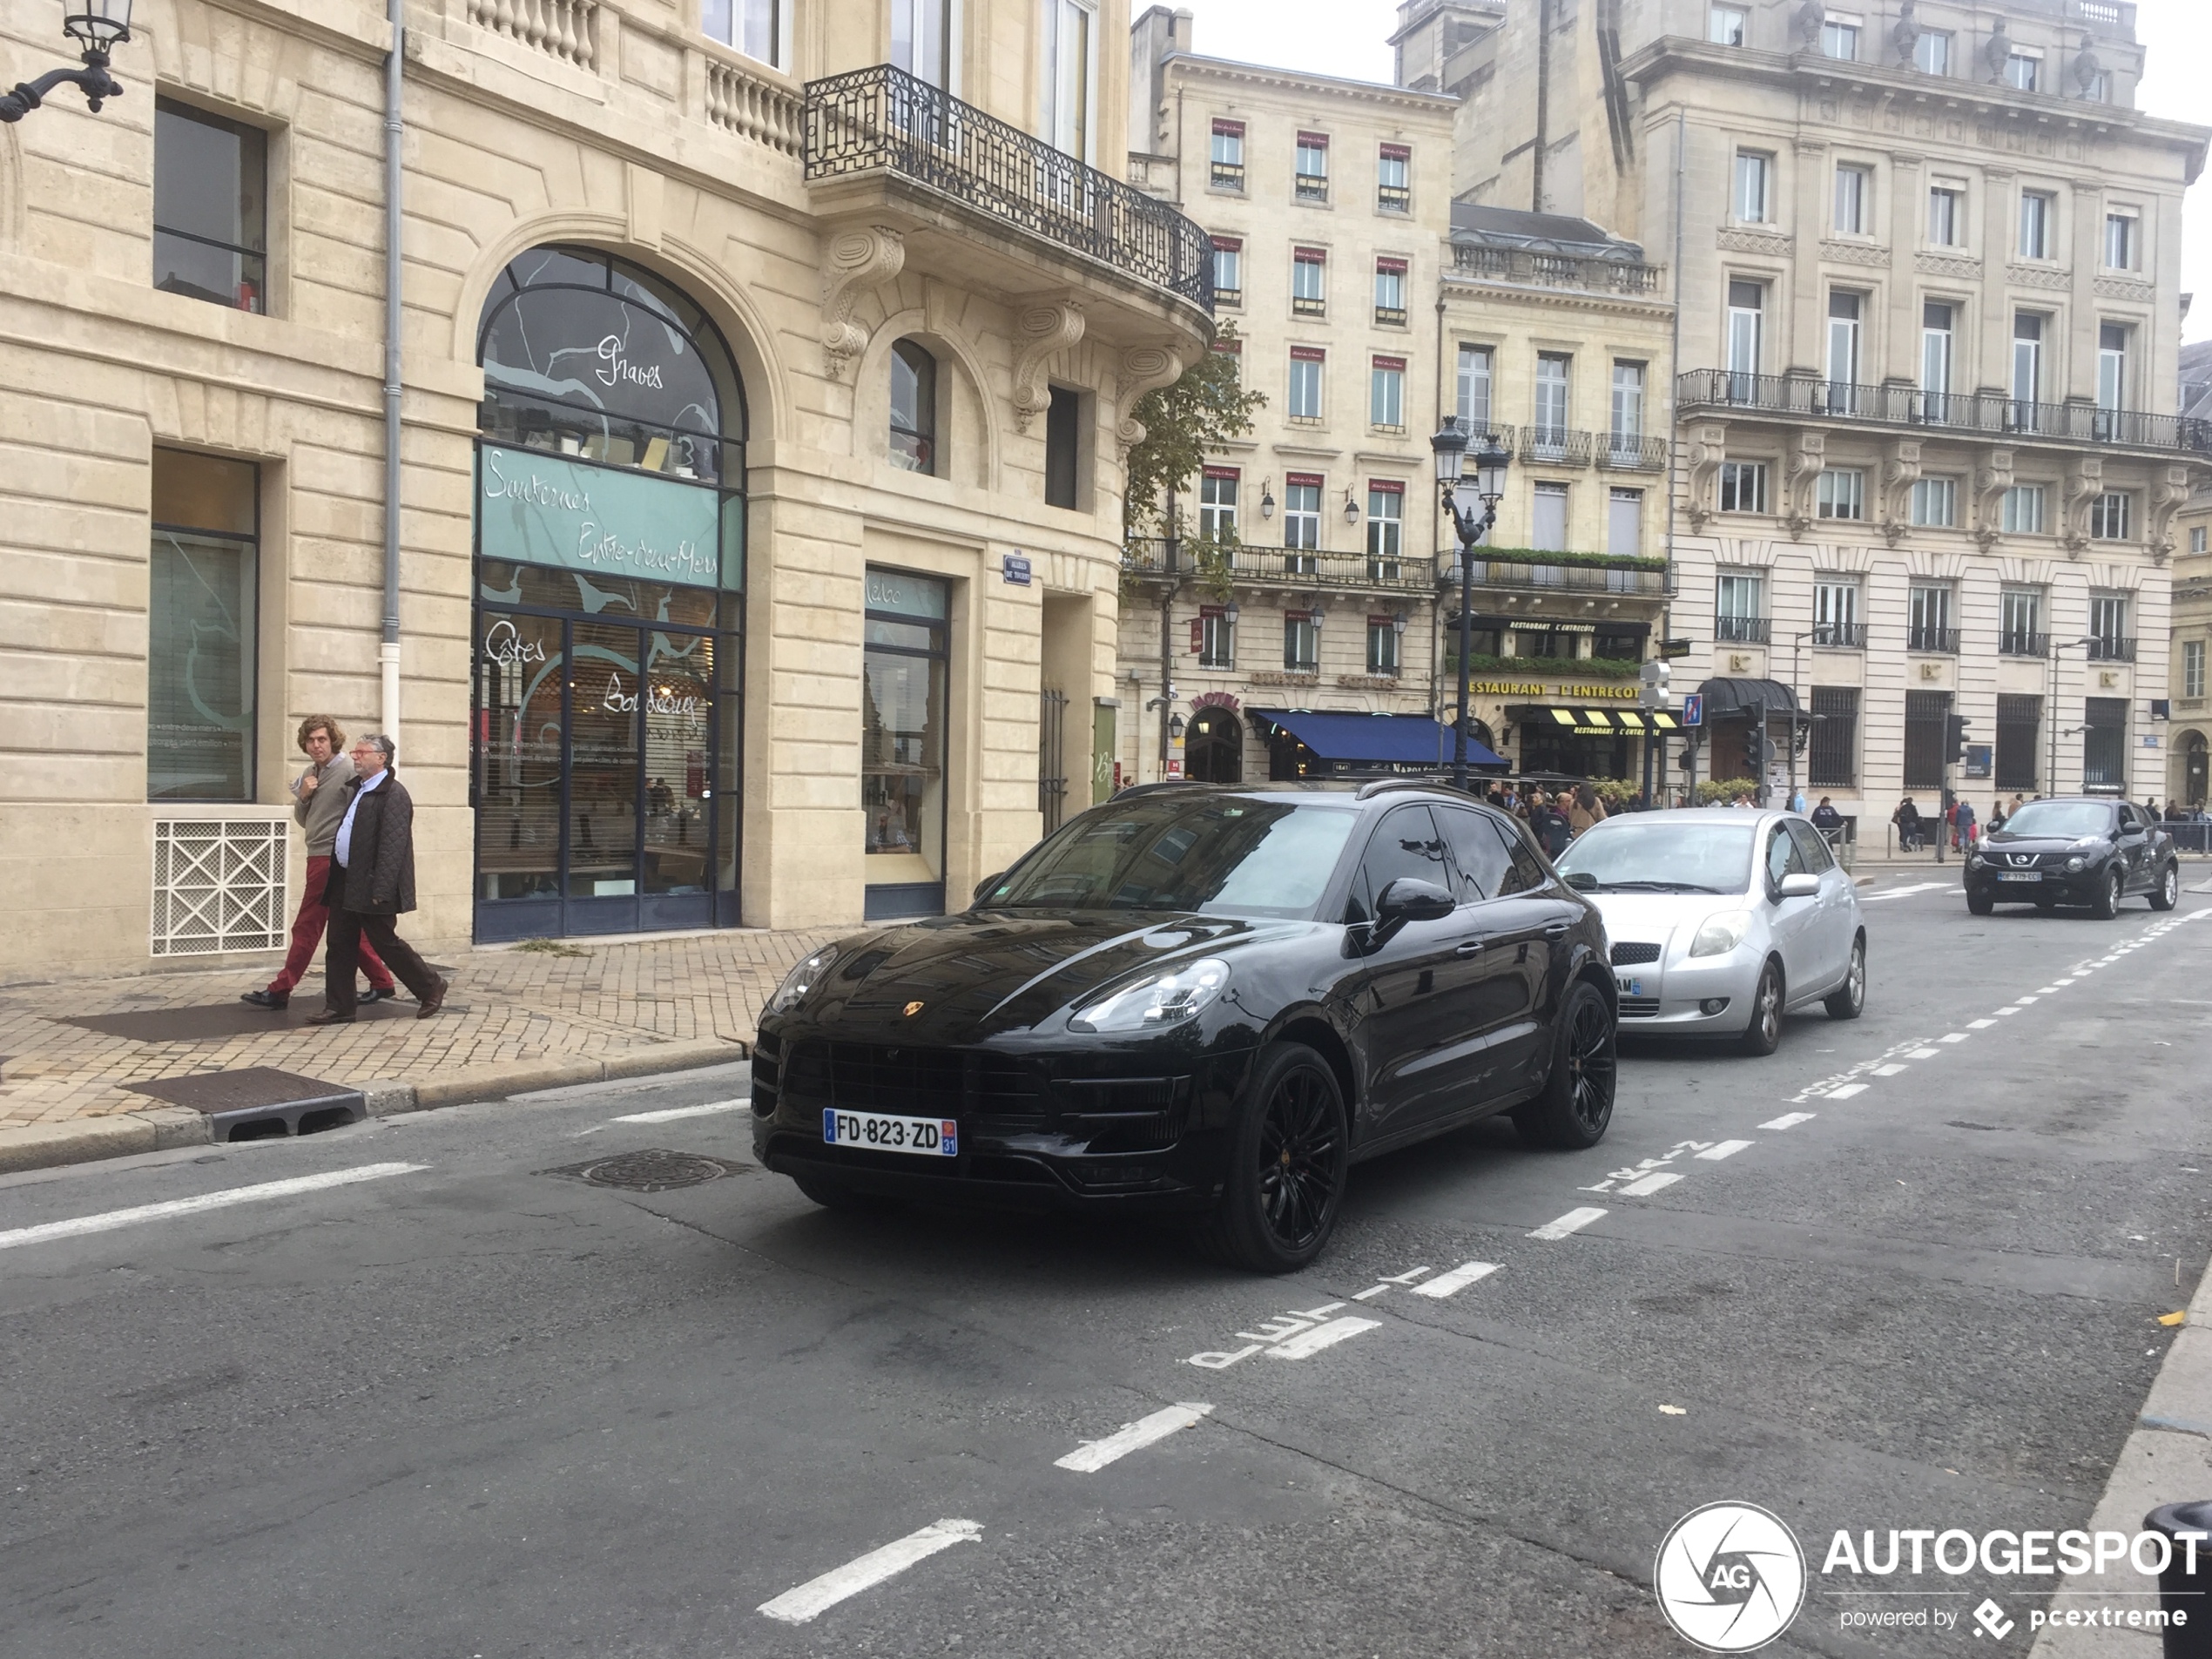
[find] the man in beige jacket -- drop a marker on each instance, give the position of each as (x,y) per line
(318,802)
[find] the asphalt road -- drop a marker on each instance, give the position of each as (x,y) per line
(471,1406)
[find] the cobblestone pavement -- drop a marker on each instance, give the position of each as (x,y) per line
(579,999)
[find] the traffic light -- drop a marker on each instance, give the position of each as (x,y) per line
(1954,727)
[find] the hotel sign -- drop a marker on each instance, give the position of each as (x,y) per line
(540,509)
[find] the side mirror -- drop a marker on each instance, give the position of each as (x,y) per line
(1582,880)
(987,884)
(1410,899)
(1800,886)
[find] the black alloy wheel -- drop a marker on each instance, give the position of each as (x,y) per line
(2106,905)
(2168,892)
(1848,1000)
(1979,901)
(1764,1035)
(1576,1106)
(1288,1164)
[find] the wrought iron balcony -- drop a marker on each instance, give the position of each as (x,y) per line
(1526,574)
(1742,630)
(1629,452)
(2111,651)
(1556,446)
(1528,268)
(2014,643)
(1968,414)
(1839,636)
(1943,641)
(1293,569)
(883,120)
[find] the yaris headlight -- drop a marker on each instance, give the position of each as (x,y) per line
(1721,933)
(1156,1001)
(801,980)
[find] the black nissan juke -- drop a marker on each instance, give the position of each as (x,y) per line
(1207,999)
(2084,850)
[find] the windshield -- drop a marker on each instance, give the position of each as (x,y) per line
(2062,820)
(1663,855)
(1179,852)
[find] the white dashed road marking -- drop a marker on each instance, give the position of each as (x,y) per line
(1847,1091)
(1953,1036)
(110,1220)
(674,1112)
(1923,1054)
(1323,1336)
(817,1596)
(1644,1186)
(1572,1221)
(1888,1071)
(1790,1120)
(1980,1025)
(1458,1279)
(1725,1149)
(1900,892)
(1094,1455)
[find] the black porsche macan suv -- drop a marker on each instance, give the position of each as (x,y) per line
(2074,850)
(1202,998)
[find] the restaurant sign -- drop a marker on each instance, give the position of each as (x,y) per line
(540,508)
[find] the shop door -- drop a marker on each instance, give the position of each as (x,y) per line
(595,778)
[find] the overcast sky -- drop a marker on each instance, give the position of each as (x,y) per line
(1347,36)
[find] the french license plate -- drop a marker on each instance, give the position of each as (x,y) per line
(2020,875)
(928,1136)
(1630,987)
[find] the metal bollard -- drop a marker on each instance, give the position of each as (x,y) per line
(2186,1597)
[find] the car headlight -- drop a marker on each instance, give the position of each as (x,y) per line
(1721,933)
(1974,860)
(2076,862)
(801,980)
(1157,1000)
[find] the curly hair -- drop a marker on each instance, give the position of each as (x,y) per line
(314,722)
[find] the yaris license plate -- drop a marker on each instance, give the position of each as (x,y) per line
(875,1132)
(1630,987)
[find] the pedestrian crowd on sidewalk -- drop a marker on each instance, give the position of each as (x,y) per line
(358,820)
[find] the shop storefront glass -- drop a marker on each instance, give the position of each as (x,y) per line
(902,743)
(610,606)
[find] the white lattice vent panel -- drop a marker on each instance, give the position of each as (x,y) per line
(218,884)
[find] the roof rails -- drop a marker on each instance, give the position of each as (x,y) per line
(1383,785)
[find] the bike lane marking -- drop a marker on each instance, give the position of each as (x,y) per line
(1094,1455)
(817,1596)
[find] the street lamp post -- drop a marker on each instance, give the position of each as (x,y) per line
(1450,445)
(99,26)
(2050,714)
(1796,644)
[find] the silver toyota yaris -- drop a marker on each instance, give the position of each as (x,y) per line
(1721,922)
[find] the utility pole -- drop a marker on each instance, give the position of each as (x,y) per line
(1172,574)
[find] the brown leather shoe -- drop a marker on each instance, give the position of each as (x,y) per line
(330,1016)
(437,1000)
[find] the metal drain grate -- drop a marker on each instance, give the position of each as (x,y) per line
(650,1171)
(259,1100)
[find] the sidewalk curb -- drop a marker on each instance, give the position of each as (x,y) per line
(2165,1458)
(159,1128)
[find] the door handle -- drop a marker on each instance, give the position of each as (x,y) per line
(1469,948)
(1555,931)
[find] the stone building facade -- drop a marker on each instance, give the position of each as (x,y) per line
(1306,580)
(1928,458)
(766,374)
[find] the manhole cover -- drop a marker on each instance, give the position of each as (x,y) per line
(651,1171)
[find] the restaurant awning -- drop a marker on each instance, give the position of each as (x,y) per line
(1734,697)
(1595,722)
(1379,739)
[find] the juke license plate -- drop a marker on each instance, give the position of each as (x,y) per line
(929,1138)
(2020,875)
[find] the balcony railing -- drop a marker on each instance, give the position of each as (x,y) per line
(1944,641)
(1962,412)
(2111,651)
(1627,452)
(1556,446)
(1839,636)
(882,118)
(1742,630)
(1523,574)
(1276,567)
(2012,642)
(1532,269)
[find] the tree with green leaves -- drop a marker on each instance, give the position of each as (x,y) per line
(1183,423)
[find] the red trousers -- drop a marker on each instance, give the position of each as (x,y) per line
(307,933)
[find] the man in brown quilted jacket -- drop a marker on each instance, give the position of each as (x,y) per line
(371,885)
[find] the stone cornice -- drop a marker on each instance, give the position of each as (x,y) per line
(1195,66)
(1561,299)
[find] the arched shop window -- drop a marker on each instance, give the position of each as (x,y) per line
(610,604)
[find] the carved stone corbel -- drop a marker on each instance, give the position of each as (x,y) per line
(1704,447)
(1145,368)
(858,260)
(1900,471)
(2167,496)
(2085,481)
(1046,329)
(1992,479)
(1801,479)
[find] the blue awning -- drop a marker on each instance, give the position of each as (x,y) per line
(1376,739)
